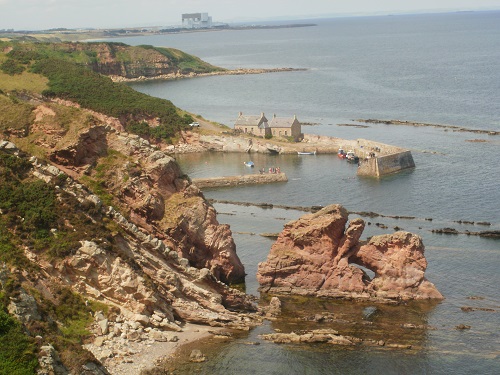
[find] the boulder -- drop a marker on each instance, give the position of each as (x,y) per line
(197,356)
(317,255)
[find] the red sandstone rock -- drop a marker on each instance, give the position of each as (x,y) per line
(316,255)
(152,190)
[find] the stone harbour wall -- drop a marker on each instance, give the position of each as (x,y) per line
(388,164)
(248,179)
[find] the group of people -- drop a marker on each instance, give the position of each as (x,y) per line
(271,170)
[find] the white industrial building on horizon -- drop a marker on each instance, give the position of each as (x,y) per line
(196,21)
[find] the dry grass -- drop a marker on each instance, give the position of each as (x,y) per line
(14,114)
(25,81)
(55,132)
(175,206)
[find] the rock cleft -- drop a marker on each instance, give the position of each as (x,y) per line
(321,254)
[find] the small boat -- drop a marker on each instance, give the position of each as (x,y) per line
(341,154)
(351,157)
(249,164)
(306,152)
(273,150)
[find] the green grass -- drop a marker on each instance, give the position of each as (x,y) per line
(93,91)
(64,70)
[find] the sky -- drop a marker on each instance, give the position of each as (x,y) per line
(47,14)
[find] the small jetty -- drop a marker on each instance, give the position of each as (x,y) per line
(248,179)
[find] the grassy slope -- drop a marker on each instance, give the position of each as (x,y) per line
(101,52)
(60,70)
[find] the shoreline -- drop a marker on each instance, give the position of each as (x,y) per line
(99,34)
(146,355)
(228,72)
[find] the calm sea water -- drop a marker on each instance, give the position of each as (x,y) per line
(432,68)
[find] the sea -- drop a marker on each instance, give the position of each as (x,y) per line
(431,68)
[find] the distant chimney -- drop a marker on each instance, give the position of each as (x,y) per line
(295,117)
(241,114)
(274,115)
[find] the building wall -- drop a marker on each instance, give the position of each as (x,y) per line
(296,131)
(255,130)
(196,20)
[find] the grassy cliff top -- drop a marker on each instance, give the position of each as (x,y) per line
(77,72)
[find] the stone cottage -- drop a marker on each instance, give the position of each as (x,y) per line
(286,127)
(251,124)
(277,127)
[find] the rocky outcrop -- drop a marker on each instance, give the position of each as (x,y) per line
(148,280)
(163,201)
(316,255)
(316,336)
(148,187)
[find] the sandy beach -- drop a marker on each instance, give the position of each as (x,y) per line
(137,356)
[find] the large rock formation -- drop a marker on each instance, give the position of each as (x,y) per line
(138,272)
(316,255)
(149,288)
(148,186)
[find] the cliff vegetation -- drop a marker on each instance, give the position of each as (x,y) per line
(78,72)
(102,237)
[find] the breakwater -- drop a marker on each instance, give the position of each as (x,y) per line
(248,179)
(387,164)
(376,159)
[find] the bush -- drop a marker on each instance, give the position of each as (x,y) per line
(12,67)
(140,128)
(17,351)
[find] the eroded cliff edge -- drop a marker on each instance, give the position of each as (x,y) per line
(126,229)
(317,255)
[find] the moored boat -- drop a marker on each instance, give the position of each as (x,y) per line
(351,157)
(273,150)
(341,154)
(249,164)
(306,152)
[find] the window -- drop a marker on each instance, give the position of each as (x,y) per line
(286,133)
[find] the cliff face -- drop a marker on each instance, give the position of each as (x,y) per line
(116,59)
(169,229)
(149,187)
(144,287)
(145,63)
(134,270)
(316,255)
(149,246)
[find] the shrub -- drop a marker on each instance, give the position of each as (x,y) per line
(12,67)
(140,128)
(17,351)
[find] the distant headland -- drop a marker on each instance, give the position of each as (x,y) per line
(64,34)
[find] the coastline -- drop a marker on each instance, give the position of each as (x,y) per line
(178,75)
(145,355)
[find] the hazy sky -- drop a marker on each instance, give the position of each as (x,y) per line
(45,14)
